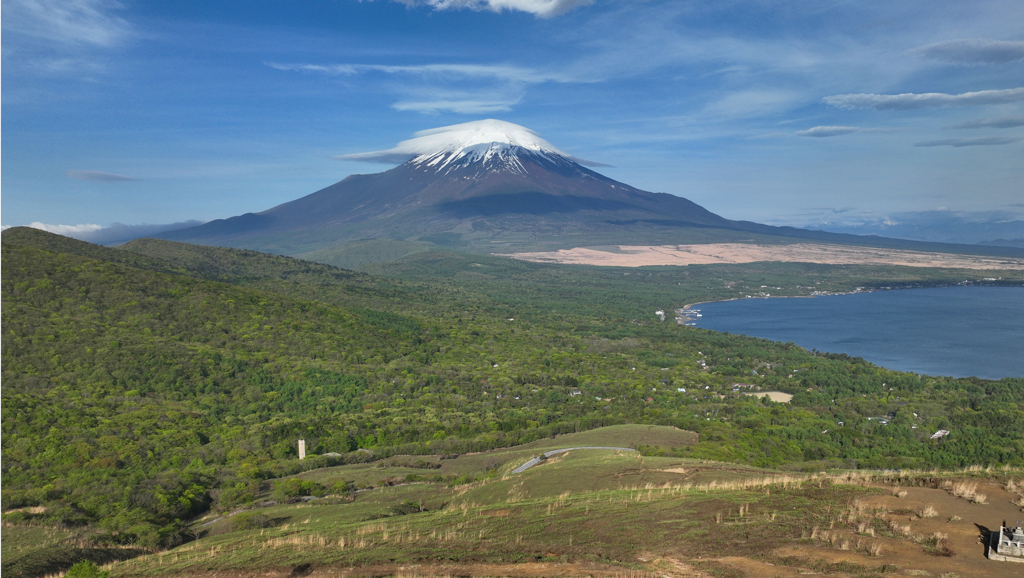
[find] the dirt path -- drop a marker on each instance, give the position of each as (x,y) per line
(548,454)
(525,570)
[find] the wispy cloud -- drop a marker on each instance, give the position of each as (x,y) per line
(825,131)
(768,135)
(67,22)
(1004,122)
(319,68)
(969,142)
(539,8)
(487,71)
(61,38)
(974,51)
(495,87)
(753,103)
(457,106)
(99,177)
(912,101)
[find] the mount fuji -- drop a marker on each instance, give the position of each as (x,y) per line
(492,186)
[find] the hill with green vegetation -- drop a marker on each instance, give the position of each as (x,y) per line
(584,512)
(149,385)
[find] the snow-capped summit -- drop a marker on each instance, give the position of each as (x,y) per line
(495,143)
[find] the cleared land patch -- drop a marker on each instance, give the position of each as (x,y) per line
(721,253)
(776,396)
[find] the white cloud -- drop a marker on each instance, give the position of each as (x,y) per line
(1004,122)
(975,51)
(462,137)
(539,8)
(825,131)
(67,22)
(66,230)
(969,142)
(115,233)
(911,101)
(99,177)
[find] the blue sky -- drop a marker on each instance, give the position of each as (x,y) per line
(784,112)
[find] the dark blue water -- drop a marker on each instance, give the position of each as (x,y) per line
(958,331)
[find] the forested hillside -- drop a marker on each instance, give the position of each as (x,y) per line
(147,384)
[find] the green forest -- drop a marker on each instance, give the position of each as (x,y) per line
(148,384)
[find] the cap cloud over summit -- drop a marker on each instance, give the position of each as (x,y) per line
(459,138)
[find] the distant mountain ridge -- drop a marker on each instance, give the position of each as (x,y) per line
(496,186)
(986,228)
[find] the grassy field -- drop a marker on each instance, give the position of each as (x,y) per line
(500,461)
(29,550)
(592,512)
(502,522)
(602,512)
(20,540)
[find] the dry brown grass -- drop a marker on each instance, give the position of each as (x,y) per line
(965,489)
(900,529)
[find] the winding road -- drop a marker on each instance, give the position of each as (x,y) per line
(537,460)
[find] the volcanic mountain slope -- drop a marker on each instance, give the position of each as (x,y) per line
(483,180)
(488,185)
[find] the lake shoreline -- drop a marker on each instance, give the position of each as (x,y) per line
(958,330)
(682,311)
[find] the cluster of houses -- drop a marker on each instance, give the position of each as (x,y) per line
(884,420)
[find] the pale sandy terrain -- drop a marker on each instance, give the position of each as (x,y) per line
(776,396)
(717,253)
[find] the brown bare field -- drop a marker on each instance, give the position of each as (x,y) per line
(963,522)
(522,570)
(776,396)
(725,253)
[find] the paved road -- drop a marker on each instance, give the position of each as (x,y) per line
(536,461)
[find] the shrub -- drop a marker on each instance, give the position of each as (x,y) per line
(340,488)
(289,490)
(238,494)
(407,507)
(86,569)
(250,521)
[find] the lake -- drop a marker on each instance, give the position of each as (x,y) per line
(957,331)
